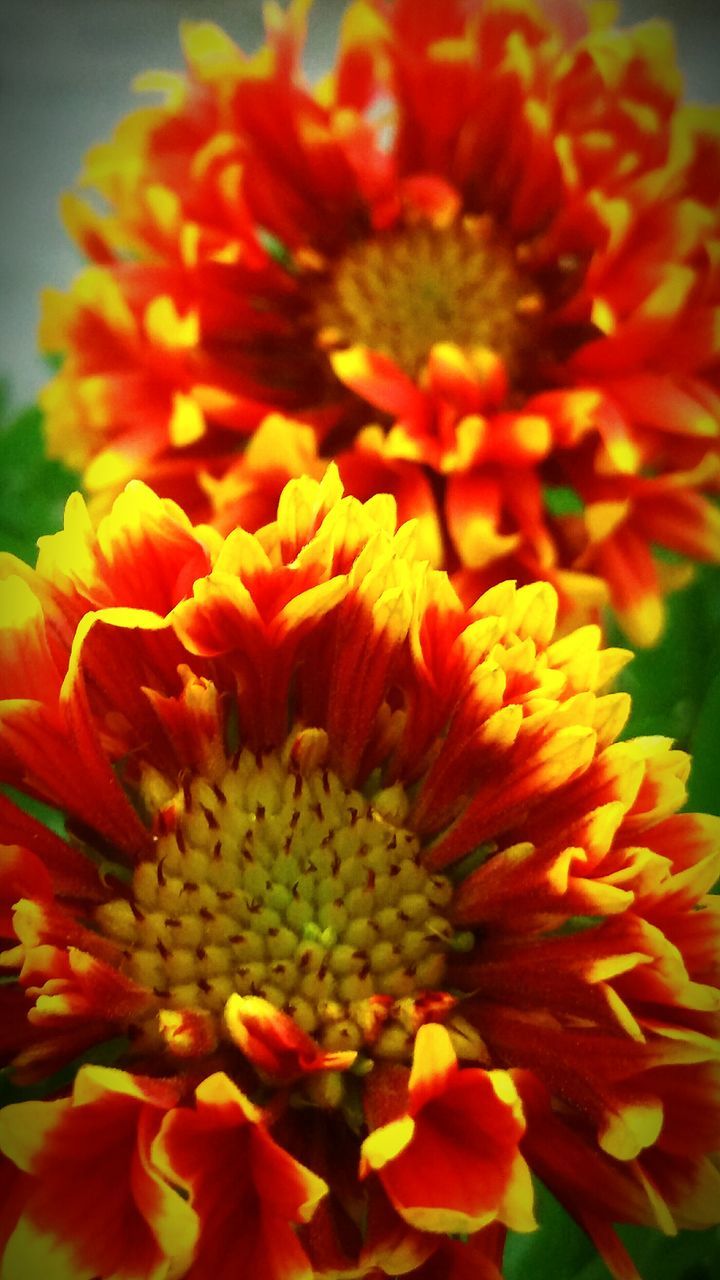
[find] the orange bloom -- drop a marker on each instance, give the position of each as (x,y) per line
(371,909)
(474,264)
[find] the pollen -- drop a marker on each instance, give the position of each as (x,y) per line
(405,290)
(279,881)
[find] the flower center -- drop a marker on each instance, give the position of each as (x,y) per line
(402,292)
(272,881)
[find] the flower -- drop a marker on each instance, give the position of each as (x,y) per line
(474,264)
(360,913)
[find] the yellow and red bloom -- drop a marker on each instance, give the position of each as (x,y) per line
(373,910)
(476,264)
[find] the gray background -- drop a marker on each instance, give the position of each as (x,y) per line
(65,72)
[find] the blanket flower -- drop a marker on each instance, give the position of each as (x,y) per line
(476,264)
(360,913)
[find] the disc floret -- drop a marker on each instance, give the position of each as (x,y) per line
(274,879)
(422,284)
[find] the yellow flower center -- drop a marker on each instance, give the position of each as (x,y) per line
(289,885)
(406,290)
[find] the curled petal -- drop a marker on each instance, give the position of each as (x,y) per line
(451,1161)
(246,1190)
(92,1186)
(275,1044)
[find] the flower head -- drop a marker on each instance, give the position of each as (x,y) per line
(475,264)
(358,896)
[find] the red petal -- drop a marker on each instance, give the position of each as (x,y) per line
(245,1189)
(275,1044)
(452,1163)
(93,1188)
(72,874)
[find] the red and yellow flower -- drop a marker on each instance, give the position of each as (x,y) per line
(476,264)
(360,913)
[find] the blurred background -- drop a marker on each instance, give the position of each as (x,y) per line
(65,72)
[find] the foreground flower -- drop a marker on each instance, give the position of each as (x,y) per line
(357,888)
(475,264)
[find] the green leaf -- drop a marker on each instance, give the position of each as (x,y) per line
(45,813)
(561,500)
(690,1255)
(277,250)
(101,1055)
(34,488)
(560,1250)
(669,684)
(704,789)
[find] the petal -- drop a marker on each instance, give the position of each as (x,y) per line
(93,1188)
(275,1044)
(376,378)
(434,1066)
(245,1189)
(453,1165)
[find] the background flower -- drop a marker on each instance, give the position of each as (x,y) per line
(365,893)
(501,311)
